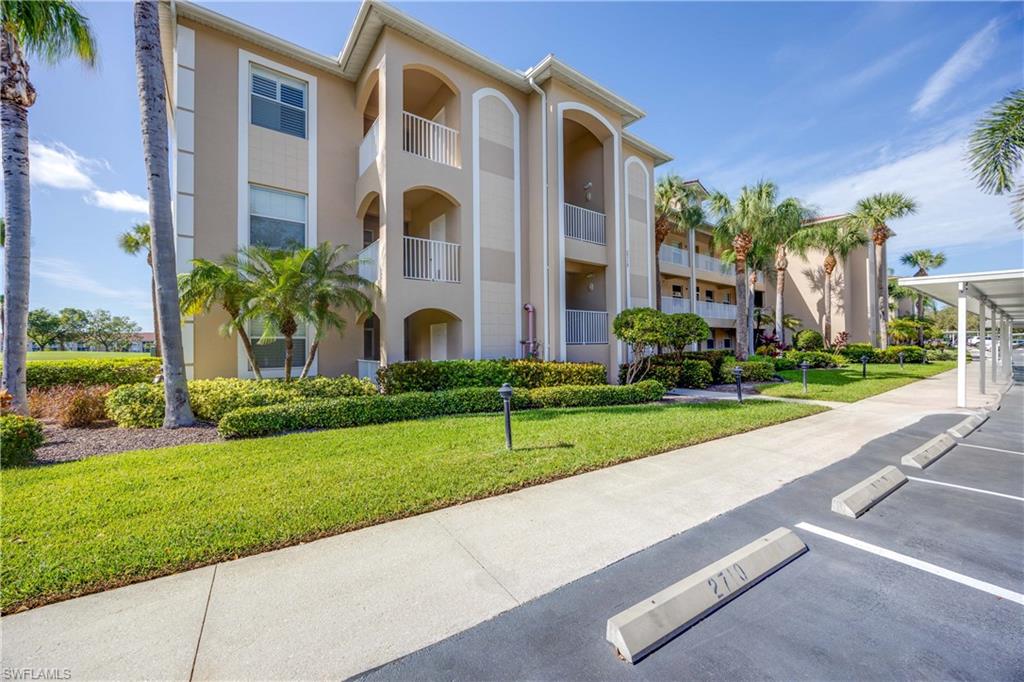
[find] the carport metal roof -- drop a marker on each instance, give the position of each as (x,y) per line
(1002,288)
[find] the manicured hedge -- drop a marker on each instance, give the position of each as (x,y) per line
(111,371)
(359,411)
(783,363)
(673,372)
(935,354)
(817,359)
(426,375)
(913,354)
(20,436)
(758,370)
(142,405)
(854,351)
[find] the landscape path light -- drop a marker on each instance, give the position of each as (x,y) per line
(804,366)
(900,354)
(506,395)
(737,372)
(864,367)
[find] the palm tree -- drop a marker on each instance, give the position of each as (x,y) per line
(221,284)
(996,148)
(788,219)
(738,224)
(872,214)
(280,299)
(332,283)
(133,242)
(149,68)
(678,207)
(51,30)
(836,238)
(924,260)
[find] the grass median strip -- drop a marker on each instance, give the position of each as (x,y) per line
(846,384)
(79,527)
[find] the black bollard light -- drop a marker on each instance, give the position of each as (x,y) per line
(506,394)
(737,372)
(804,366)
(900,354)
(864,366)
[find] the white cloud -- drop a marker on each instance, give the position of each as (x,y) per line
(121,200)
(968,58)
(875,70)
(951,209)
(60,166)
(69,275)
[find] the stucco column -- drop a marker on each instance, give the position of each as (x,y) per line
(692,246)
(392,322)
(961,346)
(1007,348)
(981,346)
(994,326)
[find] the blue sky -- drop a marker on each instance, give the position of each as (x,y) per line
(833,101)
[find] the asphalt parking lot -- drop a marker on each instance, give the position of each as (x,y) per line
(843,610)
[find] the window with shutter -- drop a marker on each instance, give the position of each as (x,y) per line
(277,102)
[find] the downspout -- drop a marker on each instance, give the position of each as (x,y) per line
(544,208)
(530,344)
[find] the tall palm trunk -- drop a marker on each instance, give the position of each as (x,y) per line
(308,365)
(152,293)
(661,229)
(872,297)
(741,245)
(882,288)
(826,326)
(16,96)
(781,263)
(751,284)
(920,318)
(288,329)
(152,100)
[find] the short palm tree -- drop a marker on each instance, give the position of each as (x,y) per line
(280,294)
(211,284)
(788,219)
(332,283)
(739,223)
(149,67)
(678,207)
(136,241)
(924,260)
(996,150)
(51,30)
(873,214)
(836,239)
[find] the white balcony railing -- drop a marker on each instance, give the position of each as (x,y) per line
(368,369)
(709,264)
(429,139)
(430,259)
(719,310)
(584,224)
(369,259)
(673,254)
(675,304)
(369,148)
(586,327)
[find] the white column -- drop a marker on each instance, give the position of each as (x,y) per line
(994,326)
(984,306)
(692,245)
(961,346)
(1007,348)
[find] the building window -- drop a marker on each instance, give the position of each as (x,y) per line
(371,338)
(677,290)
(711,344)
(277,102)
(277,219)
(758,299)
(709,296)
(727,343)
(725,299)
(271,355)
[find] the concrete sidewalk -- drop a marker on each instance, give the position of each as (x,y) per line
(342,605)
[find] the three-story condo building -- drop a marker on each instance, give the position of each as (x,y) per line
(501,213)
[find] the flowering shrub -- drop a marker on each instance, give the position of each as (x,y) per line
(20,437)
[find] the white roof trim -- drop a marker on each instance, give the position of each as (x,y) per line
(659,156)
(552,66)
(1003,288)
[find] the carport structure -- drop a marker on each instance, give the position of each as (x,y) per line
(998,299)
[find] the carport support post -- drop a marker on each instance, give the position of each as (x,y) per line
(1007,348)
(981,345)
(996,342)
(961,345)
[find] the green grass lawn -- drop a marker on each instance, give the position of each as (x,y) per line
(846,385)
(80,355)
(105,521)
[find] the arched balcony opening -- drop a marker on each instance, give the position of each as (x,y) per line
(586,154)
(430,115)
(369,148)
(431,249)
(586,304)
(369,216)
(369,363)
(433,334)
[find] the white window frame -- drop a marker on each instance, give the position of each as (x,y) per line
(245,60)
(279,79)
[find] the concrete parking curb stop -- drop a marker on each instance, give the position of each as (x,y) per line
(644,627)
(964,428)
(858,499)
(929,452)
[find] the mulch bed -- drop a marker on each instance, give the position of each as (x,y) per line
(66,445)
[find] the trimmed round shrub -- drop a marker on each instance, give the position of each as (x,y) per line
(855,351)
(85,372)
(70,405)
(782,363)
(359,411)
(911,354)
(695,374)
(211,399)
(816,358)
(427,375)
(754,371)
(938,354)
(20,436)
(809,339)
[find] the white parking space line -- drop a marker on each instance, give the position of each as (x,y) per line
(985,447)
(964,487)
(1000,592)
